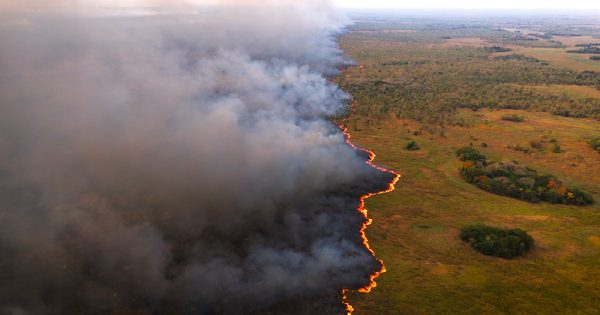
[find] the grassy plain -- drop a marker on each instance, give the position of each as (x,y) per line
(416,227)
(560,57)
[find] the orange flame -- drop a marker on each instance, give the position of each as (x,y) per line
(363,210)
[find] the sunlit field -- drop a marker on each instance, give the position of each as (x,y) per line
(402,88)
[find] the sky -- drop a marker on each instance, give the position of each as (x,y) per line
(473,4)
(593,5)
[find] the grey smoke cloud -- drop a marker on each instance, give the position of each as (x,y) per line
(176,163)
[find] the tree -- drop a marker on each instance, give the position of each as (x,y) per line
(412,146)
(492,241)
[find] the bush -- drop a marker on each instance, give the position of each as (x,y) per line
(590,49)
(556,148)
(412,146)
(497,49)
(470,154)
(535,144)
(491,241)
(595,143)
(513,118)
(579,197)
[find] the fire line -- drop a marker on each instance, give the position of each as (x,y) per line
(363,210)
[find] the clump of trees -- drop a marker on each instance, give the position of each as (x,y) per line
(470,154)
(491,241)
(514,118)
(587,49)
(518,57)
(595,143)
(509,178)
(412,146)
(497,49)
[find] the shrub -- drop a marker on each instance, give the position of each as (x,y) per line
(412,146)
(595,143)
(579,197)
(536,144)
(470,154)
(491,241)
(556,148)
(513,118)
(590,49)
(521,148)
(497,49)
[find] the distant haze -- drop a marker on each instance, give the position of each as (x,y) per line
(472,4)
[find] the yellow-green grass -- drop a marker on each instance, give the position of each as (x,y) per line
(416,227)
(572,41)
(559,57)
(576,91)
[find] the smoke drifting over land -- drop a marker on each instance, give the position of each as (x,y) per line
(175,163)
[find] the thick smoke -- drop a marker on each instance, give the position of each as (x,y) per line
(175,163)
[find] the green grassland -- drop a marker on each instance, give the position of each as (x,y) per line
(444,97)
(416,227)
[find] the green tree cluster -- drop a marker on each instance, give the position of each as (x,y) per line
(509,178)
(491,241)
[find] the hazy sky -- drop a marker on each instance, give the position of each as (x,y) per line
(473,4)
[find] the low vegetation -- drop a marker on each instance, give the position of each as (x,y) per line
(590,49)
(491,241)
(595,143)
(513,118)
(518,57)
(429,81)
(509,178)
(497,49)
(412,146)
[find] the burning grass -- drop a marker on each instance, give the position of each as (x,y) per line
(364,211)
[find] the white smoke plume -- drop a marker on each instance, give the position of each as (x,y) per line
(175,164)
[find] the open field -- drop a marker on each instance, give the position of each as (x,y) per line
(443,88)
(560,57)
(575,91)
(415,230)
